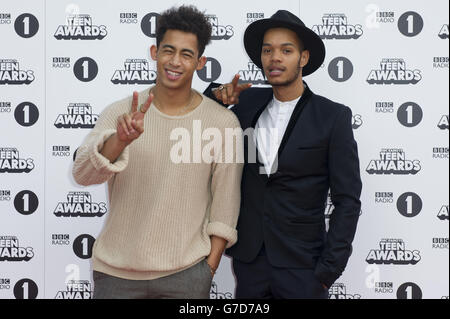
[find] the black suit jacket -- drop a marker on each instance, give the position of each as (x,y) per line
(285,210)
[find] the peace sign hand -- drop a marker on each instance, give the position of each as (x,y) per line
(229,93)
(131,125)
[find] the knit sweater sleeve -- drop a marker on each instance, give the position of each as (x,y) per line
(91,167)
(226,186)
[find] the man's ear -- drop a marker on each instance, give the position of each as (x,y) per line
(304,59)
(154,52)
(201,63)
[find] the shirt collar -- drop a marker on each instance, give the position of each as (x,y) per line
(278,103)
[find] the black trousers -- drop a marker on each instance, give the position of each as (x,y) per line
(260,280)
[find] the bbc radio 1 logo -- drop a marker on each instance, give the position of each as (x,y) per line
(409,204)
(5,18)
(80,204)
(26,289)
(5,195)
(440,62)
(149,24)
(410,24)
(394,71)
(23,289)
(340,69)
(393,161)
(80,27)
(76,289)
(384,197)
(393,252)
(443,123)
(26,202)
(254,16)
(83,245)
(409,114)
(444,32)
(5,283)
(128,18)
(440,153)
(409,290)
(79,115)
(211,71)
(384,287)
(442,215)
(376,17)
(61,62)
(336,26)
(439,243)
(85,69)
(215,294)
(11,74)
(5,107)
(26,113)
(385,17)
(61,151)
(10,250)
(10,162)
(136,71)
(384,107)
(60,239)
(219,32)
(26,25)
(339,291)
(253,75)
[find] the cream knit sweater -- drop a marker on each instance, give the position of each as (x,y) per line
(161,214)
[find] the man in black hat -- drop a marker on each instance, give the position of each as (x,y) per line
(305,148)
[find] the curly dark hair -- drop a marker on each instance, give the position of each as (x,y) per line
(186,19)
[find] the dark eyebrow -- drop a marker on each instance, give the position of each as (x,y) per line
(173,48)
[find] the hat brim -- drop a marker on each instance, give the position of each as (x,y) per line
(254,35)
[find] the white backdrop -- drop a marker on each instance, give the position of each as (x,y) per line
(386,60)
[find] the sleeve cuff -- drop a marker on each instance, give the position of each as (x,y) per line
(103,164)
(325,276)
(223,231)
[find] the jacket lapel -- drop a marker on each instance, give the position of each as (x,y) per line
(292,122)
(294,117)
(258,165)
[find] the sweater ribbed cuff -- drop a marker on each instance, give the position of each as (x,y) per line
(103,164)
(223,231)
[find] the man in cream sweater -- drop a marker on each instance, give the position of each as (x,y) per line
(171,216)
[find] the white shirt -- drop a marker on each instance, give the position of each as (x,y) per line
(270,129)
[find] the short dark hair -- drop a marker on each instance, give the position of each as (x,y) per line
(186,19)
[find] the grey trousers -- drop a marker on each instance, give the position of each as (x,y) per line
(192,283)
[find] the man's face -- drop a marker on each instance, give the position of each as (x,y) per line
(177,59)
(282,57)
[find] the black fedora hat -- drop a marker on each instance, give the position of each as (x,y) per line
(254,35)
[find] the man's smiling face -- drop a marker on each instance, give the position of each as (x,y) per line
(177,59)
